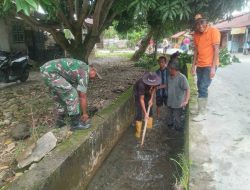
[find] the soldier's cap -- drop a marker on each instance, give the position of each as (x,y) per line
(98,75)
(199,18)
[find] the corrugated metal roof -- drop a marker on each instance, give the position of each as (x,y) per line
(236,22)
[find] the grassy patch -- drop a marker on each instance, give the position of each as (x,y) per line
(182,179)
(114,54)
(193,91)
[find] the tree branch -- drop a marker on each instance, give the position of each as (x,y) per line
(60,39)
(77,9)
(35,23)
(64,19)
(105,12)
(108,21)
(96,16)
(83,13)
(70,7)
(57,35)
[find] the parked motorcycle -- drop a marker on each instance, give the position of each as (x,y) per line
(14,67)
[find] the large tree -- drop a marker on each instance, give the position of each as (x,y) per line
(74,15)
(164,16)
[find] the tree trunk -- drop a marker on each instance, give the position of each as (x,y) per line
(89,44)
(81,51)
(143,46)
(156,47)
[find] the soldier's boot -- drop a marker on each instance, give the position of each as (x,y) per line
(138,126)
(77,124)
(60,120)
(150,123)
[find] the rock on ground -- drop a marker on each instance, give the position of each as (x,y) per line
(20,131)
(43,146)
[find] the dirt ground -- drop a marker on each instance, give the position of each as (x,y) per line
(30,103)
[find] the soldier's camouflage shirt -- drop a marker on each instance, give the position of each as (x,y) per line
(74,71)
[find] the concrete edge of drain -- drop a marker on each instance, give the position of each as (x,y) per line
(74,162)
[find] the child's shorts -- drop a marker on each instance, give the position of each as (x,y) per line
(160,100)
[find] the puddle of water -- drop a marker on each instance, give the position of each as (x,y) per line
(131,167)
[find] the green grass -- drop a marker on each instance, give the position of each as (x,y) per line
(183,164)
(20,146)
(114,54)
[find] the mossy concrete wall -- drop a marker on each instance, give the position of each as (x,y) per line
(199,178)
(73,163)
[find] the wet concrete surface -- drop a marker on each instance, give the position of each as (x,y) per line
(219,146)
(131,167)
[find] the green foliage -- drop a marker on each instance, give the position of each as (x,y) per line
(112,47)
(161,16)
(183,163)
(134,37)
(127,55)
(226,58)
(30,6)
(146,61)
(171,12)
(185,58)
(110,33)
(26,6)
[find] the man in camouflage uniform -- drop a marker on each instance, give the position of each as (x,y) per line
(67,80)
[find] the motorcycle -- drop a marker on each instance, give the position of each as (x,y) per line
(14,67)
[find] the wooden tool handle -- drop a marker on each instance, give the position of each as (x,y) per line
(145,127)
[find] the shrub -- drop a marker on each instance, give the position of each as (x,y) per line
(146,61)
(182,180)
(226,58)
(184,59)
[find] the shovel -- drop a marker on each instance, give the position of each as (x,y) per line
(145,127)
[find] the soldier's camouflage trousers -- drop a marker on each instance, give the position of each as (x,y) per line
(64,94)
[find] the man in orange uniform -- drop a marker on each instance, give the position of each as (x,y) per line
(205,62)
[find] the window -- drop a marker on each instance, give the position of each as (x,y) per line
(17,32)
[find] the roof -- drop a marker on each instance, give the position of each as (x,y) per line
(177,35)
(236,22)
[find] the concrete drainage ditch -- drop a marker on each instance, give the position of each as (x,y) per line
(74,163)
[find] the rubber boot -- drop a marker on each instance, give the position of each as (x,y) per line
(202,104)
(60,120)
(138,126)
(150,123)
(77,124)
(195,110)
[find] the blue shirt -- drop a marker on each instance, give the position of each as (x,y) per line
(163,74)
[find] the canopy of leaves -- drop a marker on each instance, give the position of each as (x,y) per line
(160,15)
(168,16)
(54,16)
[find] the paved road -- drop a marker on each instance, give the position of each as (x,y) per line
(220,146)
